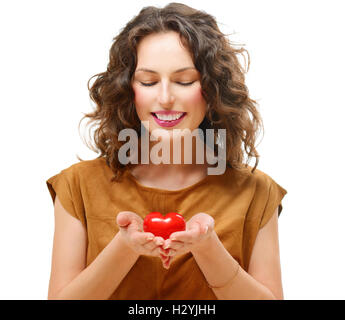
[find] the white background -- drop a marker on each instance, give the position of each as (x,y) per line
(49,49)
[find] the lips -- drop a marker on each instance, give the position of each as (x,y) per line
(168,113)
(165,112)
(168,123)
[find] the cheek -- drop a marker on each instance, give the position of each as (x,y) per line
(138,96)
(197,100)
(141,97)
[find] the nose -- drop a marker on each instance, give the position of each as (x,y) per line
(166,97)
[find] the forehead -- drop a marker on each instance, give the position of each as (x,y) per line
(163,51)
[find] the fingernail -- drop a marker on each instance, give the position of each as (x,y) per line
(150,238)
(206,229)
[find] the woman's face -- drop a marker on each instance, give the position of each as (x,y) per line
(161,87)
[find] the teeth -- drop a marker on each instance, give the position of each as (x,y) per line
(169,117)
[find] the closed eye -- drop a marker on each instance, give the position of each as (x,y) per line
(185,83)
(153,83)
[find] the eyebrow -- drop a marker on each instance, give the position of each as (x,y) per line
(176,71)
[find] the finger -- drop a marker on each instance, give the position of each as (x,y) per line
(208,227)
(167,264)
(177,245)
(166,244)
(191,228)
(156,251)
(163,251)
(178,236)
(149,236)
(169,252)
(186,236)
(123,219)
(159,241)
(163,257)
(199,226)
(129,221)
(139,237)
(150,247)
(172,252)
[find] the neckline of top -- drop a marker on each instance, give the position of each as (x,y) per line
(167,191)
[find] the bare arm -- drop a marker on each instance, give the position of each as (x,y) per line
(263,280)
(71,279)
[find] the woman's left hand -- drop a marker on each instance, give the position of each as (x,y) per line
(198,230)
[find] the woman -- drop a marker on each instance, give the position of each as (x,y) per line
(171,61)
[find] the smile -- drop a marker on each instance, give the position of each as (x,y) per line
(168,120)
(168,117)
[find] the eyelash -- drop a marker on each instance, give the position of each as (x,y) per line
(153,83)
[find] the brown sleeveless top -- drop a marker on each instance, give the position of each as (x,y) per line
(240,202)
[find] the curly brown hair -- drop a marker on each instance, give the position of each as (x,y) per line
(222,80)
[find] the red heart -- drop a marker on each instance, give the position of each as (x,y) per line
(163,227)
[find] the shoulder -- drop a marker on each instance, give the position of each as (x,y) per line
(264,192)
(258,186)
(245,178)
(86,168)
(74,184)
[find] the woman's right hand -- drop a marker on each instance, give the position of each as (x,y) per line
(131,229)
